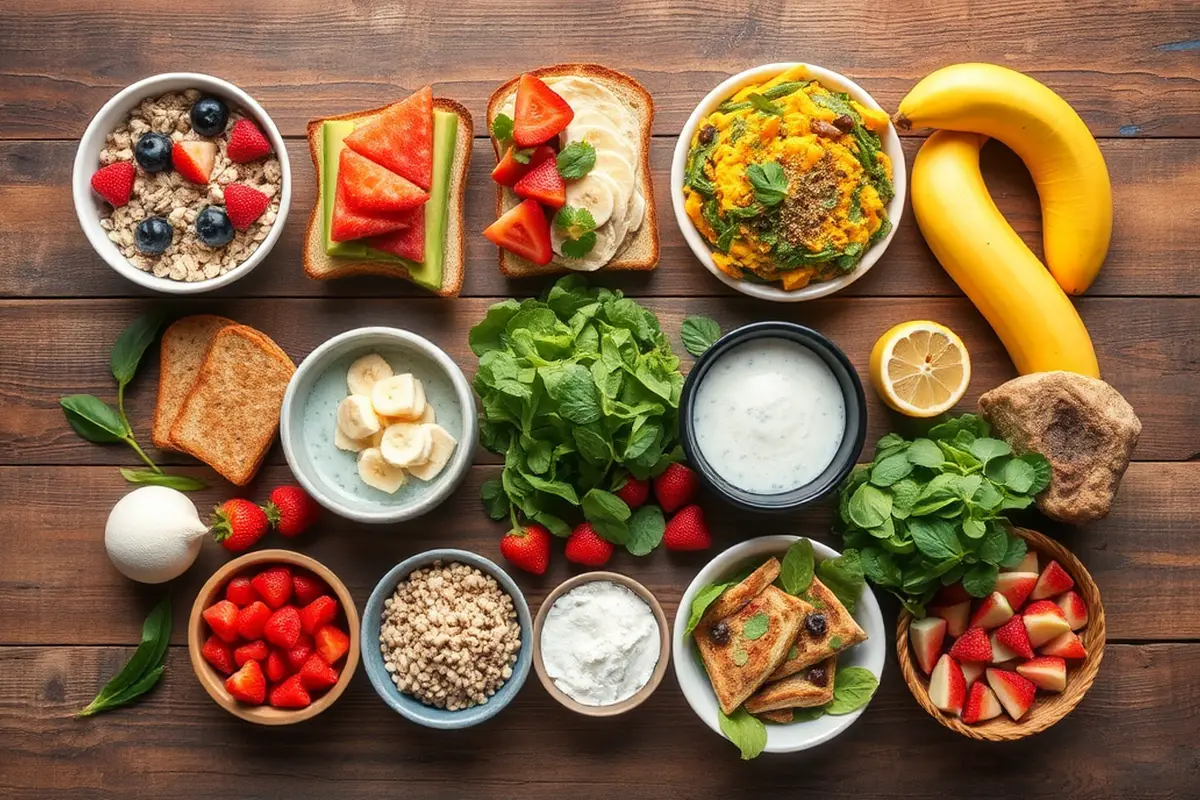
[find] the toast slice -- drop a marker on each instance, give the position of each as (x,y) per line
(640,249)
(735,597)
(320,266)
(231,416)
(184,345)
(795,691)
(841,632)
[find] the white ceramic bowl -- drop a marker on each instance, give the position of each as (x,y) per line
(831,80)
(308,419)
(695,684)
(89,207)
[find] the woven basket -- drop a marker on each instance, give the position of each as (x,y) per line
(1048,708)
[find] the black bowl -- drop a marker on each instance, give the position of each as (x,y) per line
(852,440)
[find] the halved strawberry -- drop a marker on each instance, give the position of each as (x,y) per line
(972,646)
(1044,621)
(947,688)
(544,184)
(509,170)
(332,643)
(316,674)
(252,619)
(219,654)
(222,618)
(401,138)
(274,585)
(926,636)
(972,671)
(372,189)
(254,651)
(246,142)
(956,616)
(993,612)
(523,231)
(407,242)
(539,112)
(239,591)
(244,204)
(1065,645)
(1053,580)
(297,655)
(1013,636)
(1014,692)
(1046,672)
(194,159)
(321,611)
(349,224)
(277,667)
(307,587)
(1000,653)
(283,628)
(115,183)
(1074,609)
(1016,586)
(248,684)
(982,704)
(290,694)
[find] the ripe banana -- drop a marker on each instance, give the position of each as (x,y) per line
(365,372)
(989,262)
(1055,144)
(399,396)
(443,447)
(375,471)
(406,444)
(356,417)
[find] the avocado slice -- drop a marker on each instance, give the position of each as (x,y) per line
(333,134)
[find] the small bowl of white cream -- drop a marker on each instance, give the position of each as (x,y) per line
(601,644)
(773,416)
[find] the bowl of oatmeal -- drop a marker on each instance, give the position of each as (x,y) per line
(182,183)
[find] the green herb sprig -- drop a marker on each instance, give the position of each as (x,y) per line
(144,668)
(699,334)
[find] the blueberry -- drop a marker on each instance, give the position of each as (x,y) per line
(213,227)
(209,116)
(720,633)
(153,235)
(815,623)
(153,152)
(817,676)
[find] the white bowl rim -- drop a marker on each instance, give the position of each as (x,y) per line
(700,692)
(460,462)
(891,144)
(84,167)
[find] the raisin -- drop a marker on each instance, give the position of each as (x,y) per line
(707,134)
(844,123)
(815,624)
(720,633)
(822,128)
(817,676)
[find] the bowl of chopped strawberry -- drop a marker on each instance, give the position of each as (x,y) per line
(1013,663)
(273,637)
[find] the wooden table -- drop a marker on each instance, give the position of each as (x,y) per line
(68,620)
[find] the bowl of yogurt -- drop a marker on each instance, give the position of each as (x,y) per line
(601,644)
(773,416)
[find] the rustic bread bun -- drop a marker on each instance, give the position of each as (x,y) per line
(184,345)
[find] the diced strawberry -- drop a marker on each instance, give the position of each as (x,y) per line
(248,684)
(1053,580)
(321,611)
(523,231)
(1013,636)
(244,205)
(407,242)
(308,587)
(947,688)
(926,636)
(1016,586)
(993,612)
(1014,692)
(222,619)
(1074,609)
(1044,621)
(544,184)
(539,112)
(274,585)
(509,170)
(349,224)
(1000,653)
(982,704)
(239,591)
(401,138)
(1065,645)
(252,619)
(193,159)
(972,646)
(952,595)
(254,651)
(246,142)
(283,628)
(1028,564)
(972,671)
(277,667)
(297,655)
(1046,672)
(290,694)
(374,189)
(219,654)
(956,616)
(316,674)
(115,183)
(332,643)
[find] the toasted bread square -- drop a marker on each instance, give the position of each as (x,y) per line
(794,691)
(230,419)
(783,716)
(184,345)
(841,631)
(733,598)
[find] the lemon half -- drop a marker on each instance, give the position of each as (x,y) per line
(920,368)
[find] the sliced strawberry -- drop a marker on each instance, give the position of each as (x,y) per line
(332,643)
(277,667)
(1074,609)
(248,684)
(972,671)
(1053,580)
(1016,586)
(926,636)
(194,159)
(290,694)
(239,591)
(244,205)
(1065,645)
(349,224)
(252,619)
(401,138)
(956,616)
(1044,621)
(1046,672)
(947,688)
(316,674)
(539,112)
(321,611)
(274,585)
(544,184)
(993,612)
(1015,638)
(308,587)
(283,628)
(115,183)
(1000,653)
(981,706)
(254,651)
(246,143)
(972,646)
(219,654)
(372,189)
(222,619)
(1014,692)
(407,242)
(523,231)
(509,170)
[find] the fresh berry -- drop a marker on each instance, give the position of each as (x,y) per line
(1015,638)
(1065,645)
(982,704)
(543,184)
(252,619)
(993,612)
(926,636)
(283,628)
(1000,652)
(153,152)
(510,170)
(816,624)
(114,183)
(291,510)
(972,671)
(817,676)
(194,159)
(237,524)
(676,487)
(222,619)
(209,116)
(524,232)
(1053,580)
(244,204)
(528,548)
(720,633)
(153,236)
(1016,586)
(1044,621)
(300,653)
(972,646)
(290,694)
(213,227)
(539,113)
(254,651)
(400,138)
(321,611)
(331,642)
(635,491)
(687,530)
(1045,672)
(316,674)
(947,687)
(219,654)
(956,616)
(277,666)
(239,591)
(1014,692)
(248,684)
(586,547)
(246,142)
(1074,609)
(273,584)
(308,587)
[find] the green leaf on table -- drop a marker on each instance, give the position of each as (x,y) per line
(148,477)
(1019,476)
(144,667)
(699,334)
(127,351)
(890,469)
(747,732)
(608,514)
(494,499)
(94,419)
(869,506)
(646,528)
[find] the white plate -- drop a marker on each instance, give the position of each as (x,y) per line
(695,684)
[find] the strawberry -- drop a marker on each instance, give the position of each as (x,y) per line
(244,204)
(321,611)
(1016,586)
(687,530)
(947,688)
(254,651)
(248,684)
(238,524)
(993,612)
(952,595)
(523,231)
(291,510)
(972,646)
(543,184)
(277,667)
(283,628)
(539,112)
(1014,692)
(1046,672)
(508,171)
(222,618)
(252,619)
(926,636)
(1053,580)
(527,548)
(239,591)
(676,487)
(115,183)
(274,584)
(1074,609)
(981,706)
(316,674)
(331,642)
(972,671)
(297,655)
(193,159)
(1066,645)
(1000,653)
(219,654)
(955,615)
(308,587)
(1015,638)
(635,491)
(1044,621)
(246,142)
(290,694)
(584,546)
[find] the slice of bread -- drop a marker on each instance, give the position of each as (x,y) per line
(322,267)
(231,416)
(184,345)
(640,250)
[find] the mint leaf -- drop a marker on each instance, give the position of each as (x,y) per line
(699,334)
(574,222)
(144,668)
(747,732)
(853,688)
(576,160)
(578,248)
(980,580)
(844,577)
(700,603)
(646,528)
(502,127)
(764,105)
(796,570)
(769,182)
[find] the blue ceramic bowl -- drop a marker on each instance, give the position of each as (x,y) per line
(413,709)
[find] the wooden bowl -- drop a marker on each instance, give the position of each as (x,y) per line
(214,682)
(1048,708)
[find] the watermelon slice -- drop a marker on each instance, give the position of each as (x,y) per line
(372,189)
(348,224)
(401,138)
(407,243)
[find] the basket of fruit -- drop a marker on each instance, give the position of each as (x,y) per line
(1015,662)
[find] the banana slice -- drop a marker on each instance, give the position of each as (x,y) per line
(356,417)
(375,471)
(597,193)
(343,442)
(427,416)
(601,137)
(406,444)
(365,372)
(439,454)
(397,397)
(617,167)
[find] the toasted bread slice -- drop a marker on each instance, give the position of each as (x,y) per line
(320,266)
(841,631)
(741,665)
(230,418)
(184,345)
(640,249)
(733,598)
(795,691)
(784,716)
